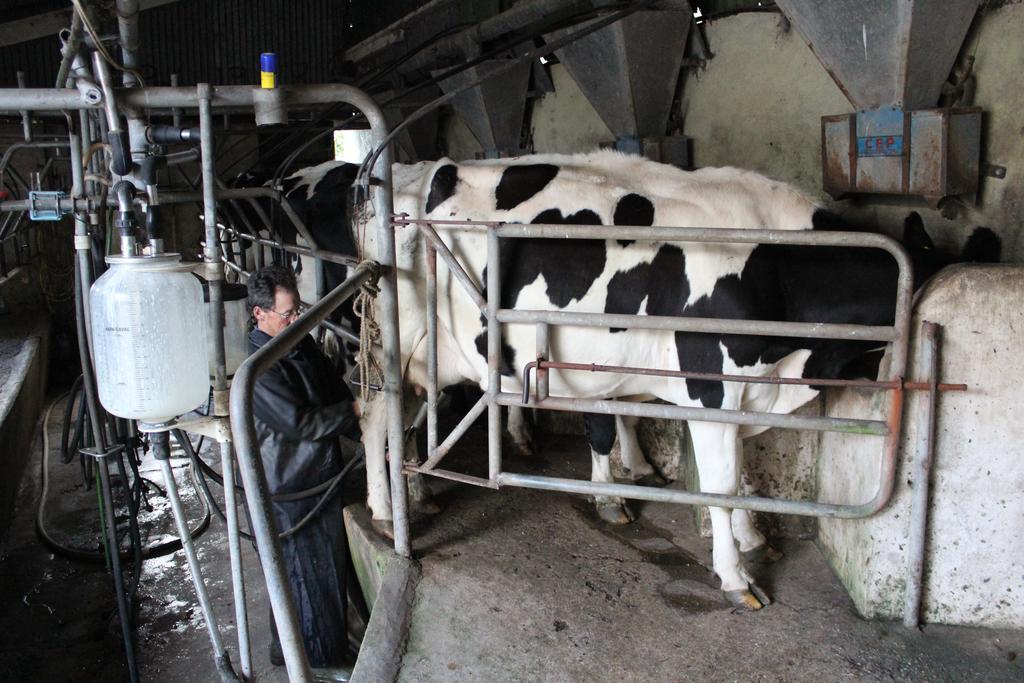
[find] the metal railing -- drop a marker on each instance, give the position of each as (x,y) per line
(489,303)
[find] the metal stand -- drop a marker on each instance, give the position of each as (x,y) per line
(162,453)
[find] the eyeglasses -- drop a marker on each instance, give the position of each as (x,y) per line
(287,315)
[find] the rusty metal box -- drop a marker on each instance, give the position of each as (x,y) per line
(930,153)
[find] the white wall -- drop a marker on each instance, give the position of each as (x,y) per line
(974,571)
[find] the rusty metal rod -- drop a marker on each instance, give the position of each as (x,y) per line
(921,469)
(540,365)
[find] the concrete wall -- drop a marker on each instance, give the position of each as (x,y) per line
(974,572)
(759,102)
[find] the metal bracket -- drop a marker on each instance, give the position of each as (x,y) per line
(44,205)
(994,171)
(215,427)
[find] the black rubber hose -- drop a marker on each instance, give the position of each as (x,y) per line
(329,487)
(133,524)
(90,555)
(66,453)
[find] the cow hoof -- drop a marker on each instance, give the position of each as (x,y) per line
(652,479)
(383,527)
(424,508)
(614,513)
(763,554)
(523,448)
(744,600)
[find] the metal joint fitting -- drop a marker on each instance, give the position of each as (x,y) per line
(220,401)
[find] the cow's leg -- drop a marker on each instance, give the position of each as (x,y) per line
(601,435)
(519,429)
(753,545)
(714,447)
(421,500)
(374,426)
(629,447)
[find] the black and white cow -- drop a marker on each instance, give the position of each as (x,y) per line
(767,282)
(735,281)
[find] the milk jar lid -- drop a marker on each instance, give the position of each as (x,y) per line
(164,261)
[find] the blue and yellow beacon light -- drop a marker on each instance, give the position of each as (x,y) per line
(268,70)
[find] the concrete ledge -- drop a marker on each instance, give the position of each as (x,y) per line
(371,554)
(24,347)
(380,657)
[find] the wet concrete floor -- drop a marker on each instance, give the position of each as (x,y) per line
(517,585)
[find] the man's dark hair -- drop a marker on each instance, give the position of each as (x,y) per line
(263,285)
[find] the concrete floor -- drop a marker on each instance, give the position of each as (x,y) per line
(516,585)
(529,585)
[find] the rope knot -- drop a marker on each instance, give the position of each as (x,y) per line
(370,373)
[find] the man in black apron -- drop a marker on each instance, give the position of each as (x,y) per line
(301,406)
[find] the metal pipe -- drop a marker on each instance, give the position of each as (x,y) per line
(673,412)
(920,476)
(454,266)
(390,333)
(184,97)
(69,49)
(431,256)
(162,455)
(493,355)
(83,243)
(128,34)
(82,285)
(211,251)
(254,478)
(435,456)
(120,145)
(757,503)
(235,551)
(766,328)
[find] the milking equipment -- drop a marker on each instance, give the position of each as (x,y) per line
(149,338)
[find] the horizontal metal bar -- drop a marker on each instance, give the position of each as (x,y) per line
(660,495)
(453,476)
(745,379)
(821,238)
(222,96)
(403,220)
(764,328)
(672,412)
(464,424)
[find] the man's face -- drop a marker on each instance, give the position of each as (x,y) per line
(285,311)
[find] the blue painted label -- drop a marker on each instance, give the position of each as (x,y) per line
(880,146)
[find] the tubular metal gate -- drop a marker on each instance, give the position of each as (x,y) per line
(489,305)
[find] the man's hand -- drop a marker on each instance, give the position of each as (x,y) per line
(357,409)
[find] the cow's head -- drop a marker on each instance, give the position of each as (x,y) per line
(983,246)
